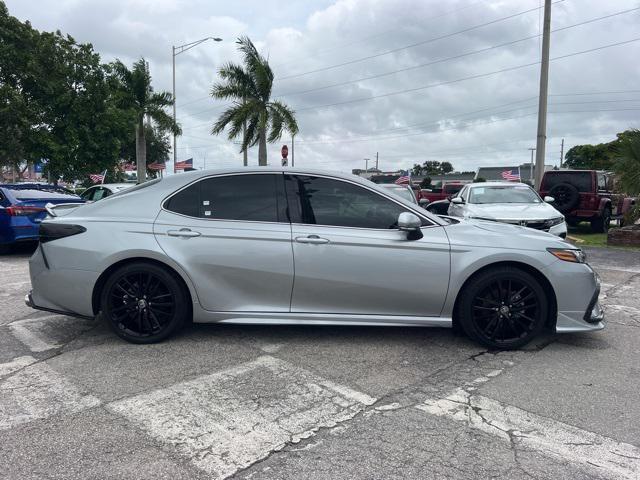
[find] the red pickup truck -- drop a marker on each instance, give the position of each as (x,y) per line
(442,193)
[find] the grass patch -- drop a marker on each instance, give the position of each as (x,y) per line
(582,232)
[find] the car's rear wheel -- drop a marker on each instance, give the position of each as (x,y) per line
(144,303)
(502,308)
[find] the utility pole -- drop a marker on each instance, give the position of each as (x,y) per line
(293,151)
(377,161)
(366,165)
(245,160)
(531,165)
(542,101)
(561,152)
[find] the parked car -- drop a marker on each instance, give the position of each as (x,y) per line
(403,191)
(508,202)
(440,207)
(446,191)
(155,256)
(585,195)
(98,192)
(22,208)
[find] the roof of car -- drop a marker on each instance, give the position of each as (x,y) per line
(498,184)
(116,186)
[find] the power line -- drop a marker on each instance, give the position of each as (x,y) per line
(471,77)
(455,57)
(470,123)
(423,42)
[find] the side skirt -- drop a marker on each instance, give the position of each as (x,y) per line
(285,318)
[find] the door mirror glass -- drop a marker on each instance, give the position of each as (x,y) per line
(549,199)
(457,200)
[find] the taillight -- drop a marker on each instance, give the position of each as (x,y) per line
(22,211)
(54,231)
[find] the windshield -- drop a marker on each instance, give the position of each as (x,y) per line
(503,194)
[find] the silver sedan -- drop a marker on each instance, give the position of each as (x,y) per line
(318,248)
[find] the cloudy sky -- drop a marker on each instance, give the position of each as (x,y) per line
(413,80)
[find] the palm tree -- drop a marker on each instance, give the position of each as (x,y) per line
(137,95)
(253,114)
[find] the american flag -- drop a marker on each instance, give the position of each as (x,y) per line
(188,163)
(98,177)
(156,166)
(405,179)
(510,176)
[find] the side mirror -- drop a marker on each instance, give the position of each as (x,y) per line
(457,200)
(423,202)
(410,223)
(549,199)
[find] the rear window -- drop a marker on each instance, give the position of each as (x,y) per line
(580,180)
(40,194)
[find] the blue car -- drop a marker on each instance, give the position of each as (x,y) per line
(22,208)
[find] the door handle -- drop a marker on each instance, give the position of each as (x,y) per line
(314,239)
(183,232)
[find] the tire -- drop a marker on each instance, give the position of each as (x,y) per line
(566,197)
(521,303)
(5,249)
(601,223)
(144,303)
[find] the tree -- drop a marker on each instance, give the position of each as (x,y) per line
(446,167)
(602,156)
(249,87)
(55,103)
(628,163)
(137,96)
(158,147)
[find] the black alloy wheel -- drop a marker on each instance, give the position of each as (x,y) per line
(144,303)
(503,308)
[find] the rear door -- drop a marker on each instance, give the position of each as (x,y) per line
(232,236)
(350,258)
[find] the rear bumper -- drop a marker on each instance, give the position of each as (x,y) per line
(28,300)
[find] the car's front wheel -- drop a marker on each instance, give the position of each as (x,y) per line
(502,308)
(144,303)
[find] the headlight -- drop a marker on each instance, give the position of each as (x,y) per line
(568,254)
(553,221)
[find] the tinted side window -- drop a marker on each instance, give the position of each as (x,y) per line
(602,182)
(233,197)
(324,201)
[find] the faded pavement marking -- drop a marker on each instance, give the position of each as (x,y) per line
(610,458)
(38,392)
(228,420)
(16,364)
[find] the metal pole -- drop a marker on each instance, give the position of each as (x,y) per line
(531,165)
(366,165)
(376,160)
(561,152)
(293,151)
(542,102)
(173,58)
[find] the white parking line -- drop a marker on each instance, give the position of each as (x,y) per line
(31,339)
(16,364)
(227,420)
(39,392)
(613,459)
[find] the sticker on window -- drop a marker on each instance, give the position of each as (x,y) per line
(205,202)
(207,213)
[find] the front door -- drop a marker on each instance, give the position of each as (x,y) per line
(350,257)
(231,235)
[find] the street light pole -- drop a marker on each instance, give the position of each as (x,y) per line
(531,166)
(175,51)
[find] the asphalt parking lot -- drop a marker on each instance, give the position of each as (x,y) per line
(318,402)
